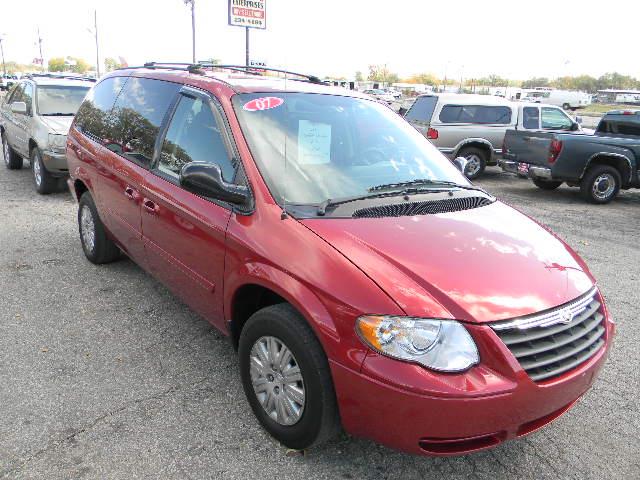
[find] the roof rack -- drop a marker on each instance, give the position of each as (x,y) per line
(198,67)
(59,76)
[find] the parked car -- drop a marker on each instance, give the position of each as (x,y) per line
(380,94)
(34,120)
(364,281)
(599,164)
(394,93)
(567,99)
(473,126)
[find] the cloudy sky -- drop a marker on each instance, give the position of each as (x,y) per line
(513,38)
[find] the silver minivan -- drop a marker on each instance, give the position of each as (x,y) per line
(35,117)
(473,126)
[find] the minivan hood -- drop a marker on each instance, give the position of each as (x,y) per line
(481,265)
(59,125)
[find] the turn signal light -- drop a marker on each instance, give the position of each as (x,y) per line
(432,134)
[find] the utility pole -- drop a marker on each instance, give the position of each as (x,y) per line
(246,53)
(40,48)
(192,3)
(95,29)
(4,68)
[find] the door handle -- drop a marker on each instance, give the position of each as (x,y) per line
(150,206)
(131,193)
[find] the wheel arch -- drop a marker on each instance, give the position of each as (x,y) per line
(618,161)
(268,286)
(481,143)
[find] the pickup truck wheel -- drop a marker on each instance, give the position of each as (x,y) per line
(286,377)
(476,161)
(600,184)
(546,184)
(42,179)
(97,246)
(12,160)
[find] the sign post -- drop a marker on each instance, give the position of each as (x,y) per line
(248,14)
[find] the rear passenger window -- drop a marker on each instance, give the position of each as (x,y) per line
(616,127)
(136,118)
(195,134)
(422,109)
(480,114)
(531,118)
(92,117)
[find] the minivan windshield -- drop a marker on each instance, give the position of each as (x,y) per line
(313,147)
(60,99)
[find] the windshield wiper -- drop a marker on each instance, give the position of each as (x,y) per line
(57,114)
(331,202)
(422,181)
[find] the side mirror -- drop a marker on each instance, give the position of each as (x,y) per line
(461,164)
(19,107)
(579,120)
(206,179)
(575,126)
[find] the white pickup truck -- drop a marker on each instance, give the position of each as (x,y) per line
(474,126)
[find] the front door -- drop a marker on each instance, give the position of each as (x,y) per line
(184,234)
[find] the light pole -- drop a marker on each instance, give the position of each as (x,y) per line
(94,32)
(4,68)
(192,3)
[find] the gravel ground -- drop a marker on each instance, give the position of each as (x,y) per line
(103,374)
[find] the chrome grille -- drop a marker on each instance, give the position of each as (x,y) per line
(553,342)
(422,208)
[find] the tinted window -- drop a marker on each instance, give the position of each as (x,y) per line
(60,99)
(422,109)
(136,118)
(622,125)
(195,134)
(93,115)
(475,114)
(555,119)
(531,118)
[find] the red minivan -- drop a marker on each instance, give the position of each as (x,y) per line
(366,284)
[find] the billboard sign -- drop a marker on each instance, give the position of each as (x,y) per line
(248,13)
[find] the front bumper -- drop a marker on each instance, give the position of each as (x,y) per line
(55,163)
(533,171)
(410,408)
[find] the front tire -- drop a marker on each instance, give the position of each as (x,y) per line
(600,184)
(286,378)
(566,106)
(476,161)
(546,184)
(97,246)
(12,160)
(42,179)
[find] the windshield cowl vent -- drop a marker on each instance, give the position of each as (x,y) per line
(422,208)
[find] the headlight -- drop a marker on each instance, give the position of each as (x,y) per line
(442,345)
(57,142)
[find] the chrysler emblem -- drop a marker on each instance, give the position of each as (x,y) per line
(565,316)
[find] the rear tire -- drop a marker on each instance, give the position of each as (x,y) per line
(546,184)
(600,184)
(97,246)
(42,179)
(12,160)
(476,161)
(312,414)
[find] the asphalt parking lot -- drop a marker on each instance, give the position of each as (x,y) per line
(103,374)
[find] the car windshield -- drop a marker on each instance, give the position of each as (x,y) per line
(313,147)
(60,99)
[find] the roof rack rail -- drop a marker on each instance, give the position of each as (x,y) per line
(255,70)
(59,76)
(197,68)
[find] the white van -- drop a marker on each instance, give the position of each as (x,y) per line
(567,99)
(474,126)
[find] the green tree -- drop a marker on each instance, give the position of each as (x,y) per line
(111,64)
(359,77)
(56,64)
(424,78)
(81,66)
(536,82)
(380,73)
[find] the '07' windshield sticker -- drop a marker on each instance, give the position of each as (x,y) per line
(263,103)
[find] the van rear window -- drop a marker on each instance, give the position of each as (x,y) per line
(422,109)
(620,125)
(483,114)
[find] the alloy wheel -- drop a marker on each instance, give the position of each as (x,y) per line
(603,186)
(5,150)
(37,170)
(277,380)
(473,165)
(87,228)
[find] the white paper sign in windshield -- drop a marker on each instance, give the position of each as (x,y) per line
(314,143)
